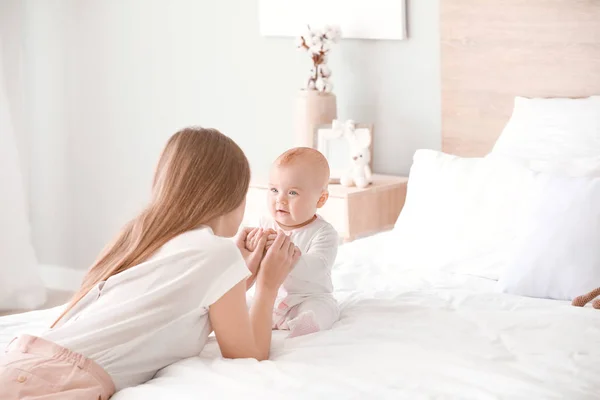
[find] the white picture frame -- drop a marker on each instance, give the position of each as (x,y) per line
(358,19)
(336,149)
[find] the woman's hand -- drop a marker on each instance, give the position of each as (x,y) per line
(271,236)
(252,258)
(278,262)
(241,334)
(254,236)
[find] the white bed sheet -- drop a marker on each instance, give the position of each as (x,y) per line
(404,334)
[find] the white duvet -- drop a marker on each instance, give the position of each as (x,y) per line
(403,334)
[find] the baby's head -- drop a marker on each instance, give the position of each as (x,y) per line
(297,186)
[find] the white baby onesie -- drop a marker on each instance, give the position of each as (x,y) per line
(305,303)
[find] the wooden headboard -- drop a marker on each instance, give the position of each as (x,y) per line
(494,50)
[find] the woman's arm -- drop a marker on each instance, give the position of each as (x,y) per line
(251,257)
(248,335)
(239,334)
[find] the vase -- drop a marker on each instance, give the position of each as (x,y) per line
(313,108)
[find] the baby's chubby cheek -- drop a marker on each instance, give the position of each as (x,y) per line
(305,209)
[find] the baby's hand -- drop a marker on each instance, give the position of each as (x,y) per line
(253,238)
(271,236)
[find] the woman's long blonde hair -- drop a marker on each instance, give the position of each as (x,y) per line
(201,175)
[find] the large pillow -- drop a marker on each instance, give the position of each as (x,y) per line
(460,213)
(555,135)
(556,253)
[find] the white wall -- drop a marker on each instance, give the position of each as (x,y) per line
(110,80)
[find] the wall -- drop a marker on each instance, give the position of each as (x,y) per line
(109,81)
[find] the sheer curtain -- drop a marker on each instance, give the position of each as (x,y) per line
(21,286)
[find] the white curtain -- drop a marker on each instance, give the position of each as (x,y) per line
(20,282)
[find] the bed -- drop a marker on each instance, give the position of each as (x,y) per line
(409,330)
(424,335)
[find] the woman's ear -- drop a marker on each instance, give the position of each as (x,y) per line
(323,199)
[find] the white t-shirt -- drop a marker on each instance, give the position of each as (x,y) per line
(155,313)
(318,242)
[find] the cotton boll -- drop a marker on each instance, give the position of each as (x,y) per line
(337,33)
(328,87)
(300,42)
(330,32)
(311,84)
(320,84)
(315,49)
(326,46)
(324,70)
(317,41)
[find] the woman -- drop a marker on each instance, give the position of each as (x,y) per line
(154,294)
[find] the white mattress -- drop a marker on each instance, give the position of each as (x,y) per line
(403,334)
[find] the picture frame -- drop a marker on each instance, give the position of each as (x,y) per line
(358,19)
(336,148)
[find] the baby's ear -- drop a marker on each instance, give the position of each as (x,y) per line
(323,199)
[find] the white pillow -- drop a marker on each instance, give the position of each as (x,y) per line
(460,213)
(556,253)
(554,135)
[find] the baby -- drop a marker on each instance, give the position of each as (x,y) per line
(297,188)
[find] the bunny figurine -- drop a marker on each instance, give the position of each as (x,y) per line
(359,173)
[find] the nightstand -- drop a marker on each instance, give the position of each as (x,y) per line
(353,212)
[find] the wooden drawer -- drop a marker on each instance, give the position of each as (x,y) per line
(353,212)
(335,211)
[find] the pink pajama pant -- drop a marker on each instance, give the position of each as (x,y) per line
(307,316)
(36,369)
